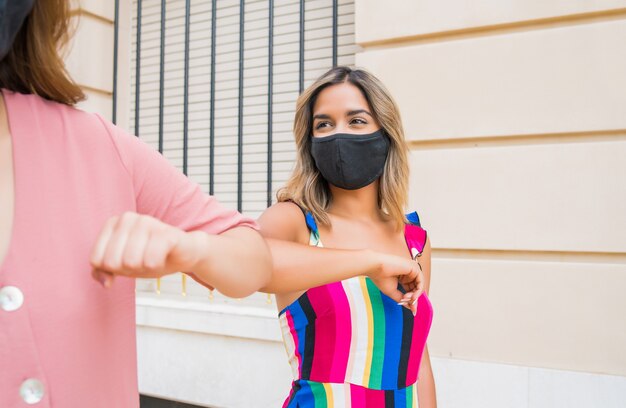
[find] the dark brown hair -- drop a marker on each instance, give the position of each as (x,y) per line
(34,64)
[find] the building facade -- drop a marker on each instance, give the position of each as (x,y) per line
(516,117)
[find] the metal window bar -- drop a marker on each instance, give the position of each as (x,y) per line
(335,42)
(116,37)
(186,111)
(240,109)
(270,97)
(186,89)
(161,75)
(212,99)
(138,68)
(301,53)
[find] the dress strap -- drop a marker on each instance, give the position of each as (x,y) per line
(414,218)
(414,235)
(310,224)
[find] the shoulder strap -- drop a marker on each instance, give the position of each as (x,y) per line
(310,222)
(308,218)
(414,235)
(414,218)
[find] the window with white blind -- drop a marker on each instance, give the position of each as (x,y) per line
(253,151)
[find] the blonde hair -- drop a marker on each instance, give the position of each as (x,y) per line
(306,186)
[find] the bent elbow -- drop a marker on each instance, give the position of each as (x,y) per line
(258,276)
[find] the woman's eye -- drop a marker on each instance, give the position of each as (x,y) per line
(358,121)
(321,125)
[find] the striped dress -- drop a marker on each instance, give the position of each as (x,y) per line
(350,345)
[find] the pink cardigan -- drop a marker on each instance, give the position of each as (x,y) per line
(74,170)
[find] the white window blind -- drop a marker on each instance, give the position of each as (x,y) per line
(318,52)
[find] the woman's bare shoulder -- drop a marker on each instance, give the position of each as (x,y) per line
(285,221)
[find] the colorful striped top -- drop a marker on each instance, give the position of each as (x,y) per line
(349,344)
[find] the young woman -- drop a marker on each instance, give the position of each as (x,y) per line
(66,178)
(352,337)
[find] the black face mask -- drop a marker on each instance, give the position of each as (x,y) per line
(12,15)
(350,161)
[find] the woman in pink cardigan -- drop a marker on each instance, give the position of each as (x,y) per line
(81,198)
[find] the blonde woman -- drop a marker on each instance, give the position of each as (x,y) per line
(354,318)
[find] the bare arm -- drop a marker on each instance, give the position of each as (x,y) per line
(426,392)
(298,266)
(235,262)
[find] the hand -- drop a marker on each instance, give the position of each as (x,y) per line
(392,270)
(140,246)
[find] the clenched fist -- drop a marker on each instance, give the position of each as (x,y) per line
(392,270)
(141,246)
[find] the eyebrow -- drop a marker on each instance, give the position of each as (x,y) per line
(356,112)
(350,113)
(321,116)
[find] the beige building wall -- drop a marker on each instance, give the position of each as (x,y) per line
(516,116)
(89,56)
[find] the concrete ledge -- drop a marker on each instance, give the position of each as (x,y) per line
(193,315)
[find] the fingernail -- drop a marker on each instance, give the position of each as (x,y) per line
(403,303)
(414,302)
